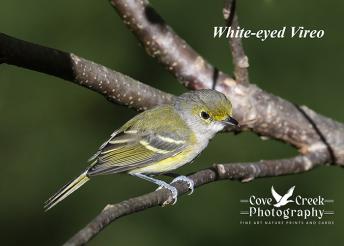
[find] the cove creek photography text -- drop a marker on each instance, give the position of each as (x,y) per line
(294,32)
(287,208)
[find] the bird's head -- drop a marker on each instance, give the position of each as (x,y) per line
(206,111)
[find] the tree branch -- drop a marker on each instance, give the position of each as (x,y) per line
(240,60)
(115,86)
(236,171)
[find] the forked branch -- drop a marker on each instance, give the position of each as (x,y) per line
(256,110)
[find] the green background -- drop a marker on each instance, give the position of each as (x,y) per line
(49,127)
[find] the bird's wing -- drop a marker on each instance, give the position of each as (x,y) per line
(149,137)
(275,194)
(128,150)
(289,193)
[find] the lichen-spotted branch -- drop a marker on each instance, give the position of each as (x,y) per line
(115,86)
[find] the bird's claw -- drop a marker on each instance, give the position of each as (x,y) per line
(174,194)
(174,190)
(189,181)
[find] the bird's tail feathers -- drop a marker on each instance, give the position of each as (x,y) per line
(66,190)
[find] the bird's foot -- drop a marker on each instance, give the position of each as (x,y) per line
(174,193)
(189,181)
(173,199)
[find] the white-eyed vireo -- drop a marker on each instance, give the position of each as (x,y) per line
(158,140)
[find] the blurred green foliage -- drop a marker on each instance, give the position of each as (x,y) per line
(49,127)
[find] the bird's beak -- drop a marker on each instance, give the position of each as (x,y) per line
(230,121)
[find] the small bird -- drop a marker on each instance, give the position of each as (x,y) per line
(158,141)
(282,200)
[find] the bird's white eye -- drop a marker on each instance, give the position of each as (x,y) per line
(205,115)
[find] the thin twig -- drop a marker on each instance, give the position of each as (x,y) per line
(236,171)
(240,60)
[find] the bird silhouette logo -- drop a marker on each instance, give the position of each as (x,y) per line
(282,200)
